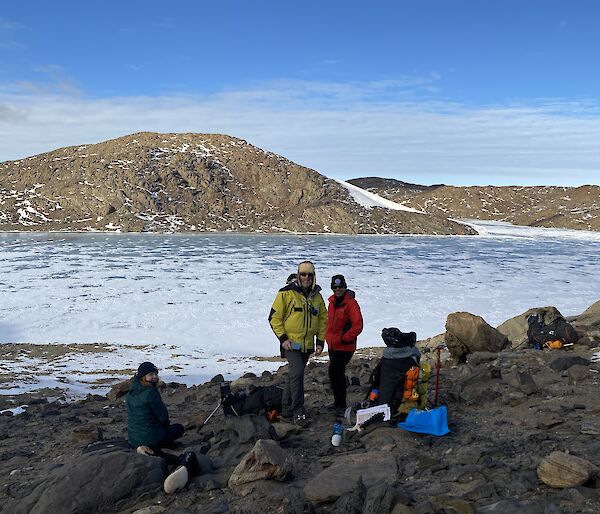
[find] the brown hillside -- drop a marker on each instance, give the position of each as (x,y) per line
(187,182)
(537,206)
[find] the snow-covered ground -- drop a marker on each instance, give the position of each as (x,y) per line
(197,305)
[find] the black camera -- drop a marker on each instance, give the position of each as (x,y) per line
(225,390)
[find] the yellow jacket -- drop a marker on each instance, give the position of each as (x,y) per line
(299,318)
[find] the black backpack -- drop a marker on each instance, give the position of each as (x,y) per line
(259,399)
(559,329)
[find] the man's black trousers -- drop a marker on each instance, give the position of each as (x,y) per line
(337,376)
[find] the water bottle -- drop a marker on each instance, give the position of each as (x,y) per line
(338,430)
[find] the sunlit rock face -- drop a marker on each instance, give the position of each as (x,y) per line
(535,206)
(150,182)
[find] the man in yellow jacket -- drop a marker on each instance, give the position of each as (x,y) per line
(297,317)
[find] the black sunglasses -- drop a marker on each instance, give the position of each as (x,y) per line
(303,274)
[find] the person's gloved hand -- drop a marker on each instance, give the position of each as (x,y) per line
(595,357)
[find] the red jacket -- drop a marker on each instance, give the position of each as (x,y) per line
(344,323)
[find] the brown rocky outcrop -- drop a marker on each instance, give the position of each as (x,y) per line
(535,206)
(150,182)
(589,320)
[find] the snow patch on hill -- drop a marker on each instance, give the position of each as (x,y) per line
(369,200)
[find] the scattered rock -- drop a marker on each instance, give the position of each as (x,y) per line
(154,509)
(267,460)
(283,429)
(87,434)
(566,361)
(547,421)
(249,428)
(522,381)
(478,358)
(578,372)
(370,468)
(590,428)
(561,470)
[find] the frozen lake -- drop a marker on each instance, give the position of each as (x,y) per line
(198,304)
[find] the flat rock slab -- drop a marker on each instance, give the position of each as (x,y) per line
(95,482)
(521,381)
(590,428)
(546,421)
(370,468)
(565,362)
(562,470)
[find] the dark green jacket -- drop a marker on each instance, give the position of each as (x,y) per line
(147,416)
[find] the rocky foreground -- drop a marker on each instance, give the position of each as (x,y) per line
(510,410)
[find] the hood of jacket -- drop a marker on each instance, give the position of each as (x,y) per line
(392,352)
(137,388)
(295,286)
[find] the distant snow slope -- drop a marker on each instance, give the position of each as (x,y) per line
(368,199)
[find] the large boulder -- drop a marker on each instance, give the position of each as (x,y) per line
(348,472)
(118,390)
(515,329)
(266,461)
(589,320)
(467,333)
(101,481)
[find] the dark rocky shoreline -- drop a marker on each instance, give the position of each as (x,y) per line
(507,410)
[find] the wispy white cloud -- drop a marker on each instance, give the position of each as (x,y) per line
(385,128)
(7,25)
(8,29)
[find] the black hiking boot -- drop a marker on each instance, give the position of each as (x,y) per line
(286,413)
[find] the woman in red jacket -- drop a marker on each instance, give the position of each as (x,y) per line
(344,323)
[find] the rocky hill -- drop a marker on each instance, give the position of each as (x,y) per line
(536,206)
(188,182)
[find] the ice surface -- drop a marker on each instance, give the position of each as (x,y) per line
(197,305)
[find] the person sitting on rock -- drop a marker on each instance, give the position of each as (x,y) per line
(147,416)
(298,316)
(344,324)
(149,430)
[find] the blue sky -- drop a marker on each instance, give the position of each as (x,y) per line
(456,92)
